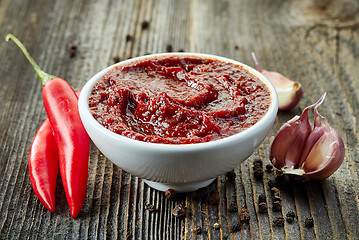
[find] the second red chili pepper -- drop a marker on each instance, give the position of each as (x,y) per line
(44,165)
(61,106)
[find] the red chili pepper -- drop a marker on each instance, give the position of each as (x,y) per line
(44,164)
(61,106)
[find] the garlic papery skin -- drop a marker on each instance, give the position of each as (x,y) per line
(289,92)
(319,148)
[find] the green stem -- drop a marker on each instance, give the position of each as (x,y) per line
(44,77)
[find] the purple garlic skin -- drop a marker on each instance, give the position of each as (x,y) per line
(313,152)
(289,92)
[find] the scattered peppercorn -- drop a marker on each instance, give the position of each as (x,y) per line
(276,194)
(179,211)
(275,190)
(258,163)
(149,207)
(72,50)
(169,48)
(269,167)
(276,197)
(180,50)
(262,198)
(258,173)
(262,207)
(170,194)
(231,175)
(258,169)
(233,207)
(129,37)
(145,25)
(309,222)
(277,206)
(197,230)
(116,59)
(236,226)
(216,226)
(244,215)
(236,47)
(213,197)
(290,216)
(278,221)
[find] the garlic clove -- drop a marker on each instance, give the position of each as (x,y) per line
(318,130)
(289,92)
(310,142)
(287,145)
(327,154)
(319,148)
(325,157)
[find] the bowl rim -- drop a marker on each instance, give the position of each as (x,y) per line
(87,88)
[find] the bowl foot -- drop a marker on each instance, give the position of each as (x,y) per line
(179,187)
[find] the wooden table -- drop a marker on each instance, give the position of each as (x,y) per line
(313,42)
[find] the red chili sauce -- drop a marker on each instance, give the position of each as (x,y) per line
(178,100)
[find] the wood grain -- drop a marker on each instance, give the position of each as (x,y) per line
(314,42)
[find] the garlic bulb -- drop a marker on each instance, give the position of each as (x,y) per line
(289,92)
(313,152)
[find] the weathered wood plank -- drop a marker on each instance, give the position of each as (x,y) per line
(316,45)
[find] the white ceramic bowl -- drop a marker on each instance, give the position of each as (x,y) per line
(184,167)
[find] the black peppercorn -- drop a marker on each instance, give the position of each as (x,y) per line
(169,48)
(72,50)
(277,206)
(116,59)
(309,222)
(216,226)
(269,167)
(262,207)
(170,194)
(129,37)
(149,207)
(244,215)
(197,230)
(258,163)
(276,197)
(258,174)
(145,25)
(262,198)
(278,221)
(179,211)
(290,216)
(275,190)
(258,169)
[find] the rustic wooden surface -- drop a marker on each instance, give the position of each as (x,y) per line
(313,42)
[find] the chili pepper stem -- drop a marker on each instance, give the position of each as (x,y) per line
(44,77)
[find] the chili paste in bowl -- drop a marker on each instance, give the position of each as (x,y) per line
(178,99)
(178,120)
